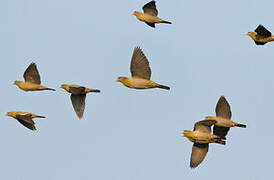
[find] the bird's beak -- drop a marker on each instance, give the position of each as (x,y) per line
(117,80)
(6,114)
(13,82)
(61,86)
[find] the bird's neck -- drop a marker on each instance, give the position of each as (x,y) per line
(126,81)
(140,16)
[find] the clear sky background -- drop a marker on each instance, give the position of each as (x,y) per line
(128,134)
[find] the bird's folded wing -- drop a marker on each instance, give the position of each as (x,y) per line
(32,75)
(78,103)
(198,154)
(150,8)
(262,31)
(139,66)
(223,109)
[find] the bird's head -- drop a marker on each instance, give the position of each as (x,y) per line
(210,118)
(17,82)
(121,79)
(11,114)
(185,133)
(136,13)
(65,87)
(251,34)
(188,134)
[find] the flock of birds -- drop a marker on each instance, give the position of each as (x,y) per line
(141,73)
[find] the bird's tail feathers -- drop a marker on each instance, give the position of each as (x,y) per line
(40,116)
(220,142)
(163,87)
(50,89)
(241,125)
(167,22)
(93,90)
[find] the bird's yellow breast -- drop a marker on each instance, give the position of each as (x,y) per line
(189,135)
(27,86)
(139,16)
(127,82)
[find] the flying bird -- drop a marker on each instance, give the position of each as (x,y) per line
(150,15)
(223,118)
(32,80)
(78,97)
(261,35)
(140,72)
(201,137)
(25,118)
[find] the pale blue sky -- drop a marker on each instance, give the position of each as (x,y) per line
(128,134)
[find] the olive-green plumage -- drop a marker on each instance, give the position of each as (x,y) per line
(32,80)
(25,118)
(150,15)
(261,35)
(140,72)
(78,97)
(201,137)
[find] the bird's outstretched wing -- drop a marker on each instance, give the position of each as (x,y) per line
(223,109)
(198,154)
(26,121)
(78,103)
(150,24)
(260,43)
(262,31)
(220,131)
(32,75)
(150,8)
(139,66)
(204,126)
(77,90)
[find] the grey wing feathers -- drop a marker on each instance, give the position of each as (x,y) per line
(150,8)
(139,65)
(198,154)
(204,126)
(32,75)
(220,131)
(222,108)
(26,121)
(77,90)
(78,103)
